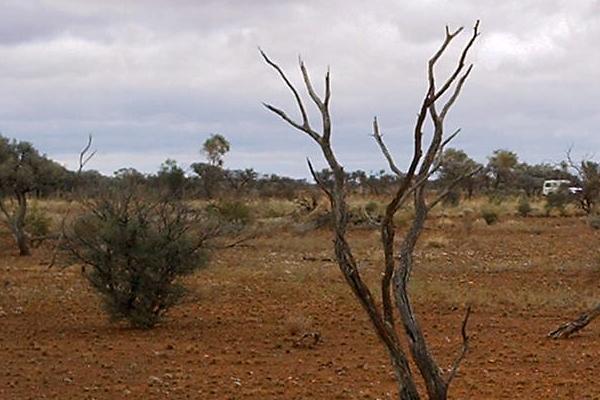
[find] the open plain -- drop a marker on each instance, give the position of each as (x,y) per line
(273,319)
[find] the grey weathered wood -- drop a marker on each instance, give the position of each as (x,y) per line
(397,267)
(568,329)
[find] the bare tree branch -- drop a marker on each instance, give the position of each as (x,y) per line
(309,87)
(566,330)
(464,349)
(384,149)
(84,157)
(296,125)
(317,179)
(457,90)
(305,122)
(395,276)
(461,64)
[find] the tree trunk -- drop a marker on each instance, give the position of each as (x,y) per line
(18,225)
(566,330)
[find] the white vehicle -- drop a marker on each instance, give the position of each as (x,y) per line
(553,185)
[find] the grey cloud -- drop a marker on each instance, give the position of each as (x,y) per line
(157,77)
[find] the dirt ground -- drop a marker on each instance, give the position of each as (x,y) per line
(238,335)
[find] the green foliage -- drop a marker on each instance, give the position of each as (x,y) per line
(171,178)
(454,165)
(502,164)
(372,208)
(523,207)
(232,212)
(37,222)
(489,215)
(215,147)
(211,178)
(137,249)
(22,170)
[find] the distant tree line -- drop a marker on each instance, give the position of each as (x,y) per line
(23,170)
(25,173)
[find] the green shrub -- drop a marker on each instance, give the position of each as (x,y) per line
(489,214)
(137,249)
(372,213)
(523,207)
(372,208)
(232,212)
(37,222)
(557,200)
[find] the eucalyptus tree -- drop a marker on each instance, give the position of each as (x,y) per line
(23,170)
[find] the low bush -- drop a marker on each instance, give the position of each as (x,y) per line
(37,223)
(232,212)
(523,207)
(137,249)
(489,215)
(557,200)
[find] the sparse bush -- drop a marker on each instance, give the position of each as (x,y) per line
(523,207)
(489,214)
(557,200)
(137,249)
(37,225)
(372,208)
(232,212)
(452,199)
(372,212)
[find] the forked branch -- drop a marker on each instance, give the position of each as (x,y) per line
(464,349)
(85,155)
(396,271)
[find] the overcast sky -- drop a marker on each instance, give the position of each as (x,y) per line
(152,79)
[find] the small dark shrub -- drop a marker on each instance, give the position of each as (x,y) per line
(524,208)
(489,215)
(137,249)
(557,200)
(452,199)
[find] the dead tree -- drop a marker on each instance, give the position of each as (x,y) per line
(566,330)
(85,155)
(398,262)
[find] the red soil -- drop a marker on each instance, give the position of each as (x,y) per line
(237,336)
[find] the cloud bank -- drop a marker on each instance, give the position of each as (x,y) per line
(153,79)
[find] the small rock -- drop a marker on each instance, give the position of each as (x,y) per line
(154,380)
